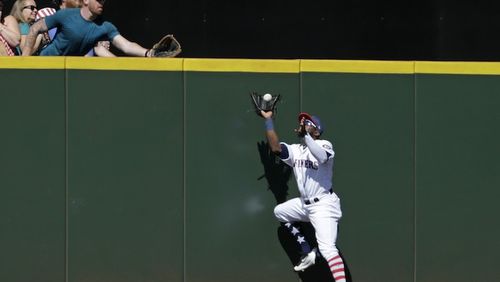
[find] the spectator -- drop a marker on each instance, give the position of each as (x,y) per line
(9,34)
(79,31)
(101,48)
(24,12)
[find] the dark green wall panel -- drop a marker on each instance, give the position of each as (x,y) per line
(458,178)
(230,226)
(369,119)
(125,151)
(156,176)
(32,176)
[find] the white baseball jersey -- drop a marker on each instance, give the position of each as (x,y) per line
(316,205)
(314,179)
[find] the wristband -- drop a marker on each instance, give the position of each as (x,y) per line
(269,124)
(146,54)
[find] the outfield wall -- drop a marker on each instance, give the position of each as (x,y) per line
(134,169)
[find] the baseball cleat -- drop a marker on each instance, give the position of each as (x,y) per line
(306,261)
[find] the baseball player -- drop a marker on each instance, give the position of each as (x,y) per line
(312,164)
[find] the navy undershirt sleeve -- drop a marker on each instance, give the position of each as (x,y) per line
(284,152)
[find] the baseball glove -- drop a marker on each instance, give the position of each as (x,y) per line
(168,46)
(261,104)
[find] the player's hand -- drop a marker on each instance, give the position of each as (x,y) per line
(266,115)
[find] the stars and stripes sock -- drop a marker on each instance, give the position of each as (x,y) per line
(336,265)
(299,238)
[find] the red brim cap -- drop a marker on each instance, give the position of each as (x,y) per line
(305,115)
(313,119)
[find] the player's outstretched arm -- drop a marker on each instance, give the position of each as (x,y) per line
(31,38)
(272,136)
(128,47)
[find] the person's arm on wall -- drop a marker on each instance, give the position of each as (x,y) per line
(31,38)
(101,49)
(129,48)
(9,30)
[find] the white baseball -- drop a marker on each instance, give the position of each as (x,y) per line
(267,97)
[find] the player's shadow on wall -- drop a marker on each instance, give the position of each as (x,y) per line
(276,172)
(277,175)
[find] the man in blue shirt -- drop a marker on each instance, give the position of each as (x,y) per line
(78,32)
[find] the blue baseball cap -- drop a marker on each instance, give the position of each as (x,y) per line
(315,120)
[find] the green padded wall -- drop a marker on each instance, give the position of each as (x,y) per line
(369,119)
(125,150)
(458,178)
(154,173)
(230,227)
(32,176)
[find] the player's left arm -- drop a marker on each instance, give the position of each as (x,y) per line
(322,152)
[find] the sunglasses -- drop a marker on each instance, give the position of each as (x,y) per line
(101,1)
(310,123)
(31,7)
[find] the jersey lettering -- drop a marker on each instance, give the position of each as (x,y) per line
(306,164)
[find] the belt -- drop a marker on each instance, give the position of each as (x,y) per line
(315,199)
(308,202)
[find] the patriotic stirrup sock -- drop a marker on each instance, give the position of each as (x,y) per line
(301,240)
(336,265)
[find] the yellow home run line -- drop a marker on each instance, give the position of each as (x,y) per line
(480,68)
(127,63)
(242,65)
(251,66)
(351,66)
(32,62)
